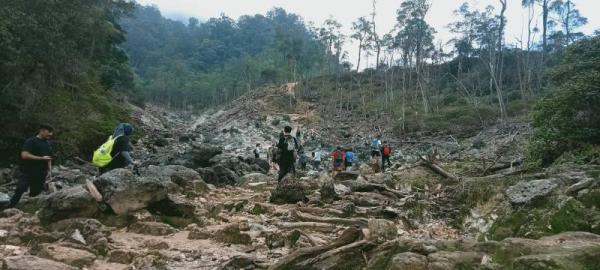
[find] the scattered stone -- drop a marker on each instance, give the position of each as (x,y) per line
(526,191)
(151,228)
(68,255)
(156,244)
(28,262)
(123,256)
(381,230)
(231,234)
(77,237)
(408,261)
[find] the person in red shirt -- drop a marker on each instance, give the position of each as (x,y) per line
(339,158)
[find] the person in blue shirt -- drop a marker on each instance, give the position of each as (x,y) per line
(349,158)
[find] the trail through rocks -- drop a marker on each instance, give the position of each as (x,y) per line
(200,200)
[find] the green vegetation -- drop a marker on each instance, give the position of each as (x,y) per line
(208,63)
(568,119)
(60,64)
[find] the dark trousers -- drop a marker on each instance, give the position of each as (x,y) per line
(28,181)
(384,159)
(284,169)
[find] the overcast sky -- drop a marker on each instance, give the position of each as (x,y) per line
(346,11)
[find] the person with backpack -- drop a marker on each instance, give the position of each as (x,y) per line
(375,147)
(386,150)
(114,153)
(317,159)
(257,151)
(35,166)
(349,158)
(288,153)
(339,158)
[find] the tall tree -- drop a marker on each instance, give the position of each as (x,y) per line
(361,29)
(569,19)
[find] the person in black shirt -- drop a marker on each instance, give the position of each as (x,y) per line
(36,163)
(120,151)
(288,146)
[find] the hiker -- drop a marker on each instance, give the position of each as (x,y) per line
(288,147)
(119,154)
(349,158)
(257,151)
(386,150)
(36,165)
(317,159)
(298,134)
(375,145)
(339,158)
(274,156)
(302,160)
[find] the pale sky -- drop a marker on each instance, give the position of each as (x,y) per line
(347,11)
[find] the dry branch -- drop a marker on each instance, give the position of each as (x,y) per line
(314,226)
(339,221)
(348,236)
(434,167)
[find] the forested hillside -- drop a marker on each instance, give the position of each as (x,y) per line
(209,63)
(60,64)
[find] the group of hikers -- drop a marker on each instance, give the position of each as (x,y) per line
(288,152)
(37,155)
(35,168)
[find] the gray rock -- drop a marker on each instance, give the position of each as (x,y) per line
(288,191)
(381,230)
(408,261)
(526,191)
(225,176)
(254,178)
(151,228)
(126,193)
(4,199)
(184,177)
(68,255)
(346,175)
(202,154)
(28,262)
(75,202)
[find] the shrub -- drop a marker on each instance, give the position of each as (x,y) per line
(568,119)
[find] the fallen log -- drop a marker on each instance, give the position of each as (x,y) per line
(314,226)
(434,167)
(364,186)
(339,221)
(358,246)
(287,262)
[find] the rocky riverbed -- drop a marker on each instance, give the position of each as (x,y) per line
(200,200)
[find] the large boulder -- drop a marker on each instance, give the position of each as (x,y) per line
(68,203)
(288,191)
(527,191)
(190,180)
(225,176)
(381,230)
(28,262)
(201,154)
(125,192)
(84,231)
(71,256)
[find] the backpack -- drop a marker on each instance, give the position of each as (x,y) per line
(338,155)
(387,150)
(375,145)
(290,145)
(102,155)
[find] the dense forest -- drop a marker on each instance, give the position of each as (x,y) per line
(208,63)
(75,64)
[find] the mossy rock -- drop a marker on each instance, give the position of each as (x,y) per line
(555,216)
(591,198)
